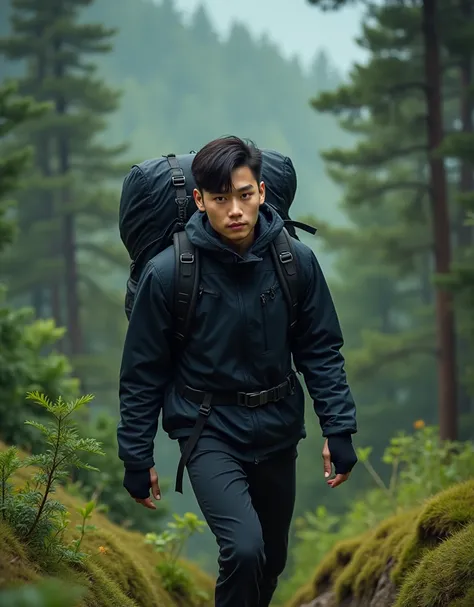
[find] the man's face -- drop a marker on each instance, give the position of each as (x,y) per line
(233,215)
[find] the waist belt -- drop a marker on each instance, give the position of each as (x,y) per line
(208,399)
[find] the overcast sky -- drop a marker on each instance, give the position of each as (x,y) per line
(295,25)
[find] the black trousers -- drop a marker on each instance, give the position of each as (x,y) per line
(249,508)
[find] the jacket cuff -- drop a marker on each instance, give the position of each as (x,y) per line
(345,436)
(137,466)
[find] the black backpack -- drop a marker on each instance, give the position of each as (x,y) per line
(157,202)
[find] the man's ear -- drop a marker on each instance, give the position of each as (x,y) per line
(198,200)
(262,191)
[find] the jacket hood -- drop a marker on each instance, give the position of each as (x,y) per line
(202,235)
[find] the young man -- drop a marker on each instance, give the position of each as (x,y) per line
(242,469)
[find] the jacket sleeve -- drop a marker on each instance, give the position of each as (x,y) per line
(317,355)
(145,372)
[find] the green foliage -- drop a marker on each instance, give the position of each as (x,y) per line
(27,364)
(85,513)
(37,518)
(66,209)
(383,255)
(420,466)
(26,360)
(120,569)
(171,543)
(106,485)
(47,593)
(14,111)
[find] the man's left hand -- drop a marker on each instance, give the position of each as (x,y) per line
(339,450)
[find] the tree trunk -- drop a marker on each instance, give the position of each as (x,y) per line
(72,279)
(71,276)
(447,385)
(39,297)
(466,183)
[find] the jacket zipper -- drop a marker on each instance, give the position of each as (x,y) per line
(208,292)
(270,294)
(243,352)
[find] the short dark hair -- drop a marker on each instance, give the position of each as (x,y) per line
(213,165)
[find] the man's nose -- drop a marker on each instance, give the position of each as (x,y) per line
(235,208)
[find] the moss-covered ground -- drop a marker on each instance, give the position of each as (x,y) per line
(120,572)
(429,552)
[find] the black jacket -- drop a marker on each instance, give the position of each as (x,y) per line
(238,341)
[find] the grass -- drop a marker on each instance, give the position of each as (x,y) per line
(120,572)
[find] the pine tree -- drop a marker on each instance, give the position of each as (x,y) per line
(419,36)
(66,213)
(457,146)
(14,111)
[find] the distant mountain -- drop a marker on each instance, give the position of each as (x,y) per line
(183,86)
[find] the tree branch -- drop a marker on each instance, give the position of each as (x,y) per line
(382,189)
(403,87)
(373,157)
(383,360)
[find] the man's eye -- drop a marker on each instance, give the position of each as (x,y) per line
(247,195)
(219,199)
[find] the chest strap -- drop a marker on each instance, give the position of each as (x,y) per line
(207,400)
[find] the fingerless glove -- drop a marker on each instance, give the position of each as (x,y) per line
(343,455)
(137,483)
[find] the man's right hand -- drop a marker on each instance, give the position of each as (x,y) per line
(138,484)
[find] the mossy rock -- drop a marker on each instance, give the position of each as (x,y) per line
(399,545)
(442,515)
(335,563)
(444,576)
(328,571)
(381,547)
(120,571)
(304,596)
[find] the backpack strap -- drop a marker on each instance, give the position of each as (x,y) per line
(302,226)
(186,285)
(179,181)
(286,268)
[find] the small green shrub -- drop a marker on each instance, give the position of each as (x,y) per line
(29,363)
(171,543)
(421,465)
(36,518)
(106,486)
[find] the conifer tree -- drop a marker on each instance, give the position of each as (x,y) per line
(458,147)
(66,213)
(409,66)
(14,111)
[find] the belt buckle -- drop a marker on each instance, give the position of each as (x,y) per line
(245,399)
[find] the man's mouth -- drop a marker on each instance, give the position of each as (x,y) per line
(236,226)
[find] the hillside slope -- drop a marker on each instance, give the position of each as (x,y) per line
(120,572)
(422,558)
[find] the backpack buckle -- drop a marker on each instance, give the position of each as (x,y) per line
(286,257)
(205,410)
(186,258)
(179,181)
